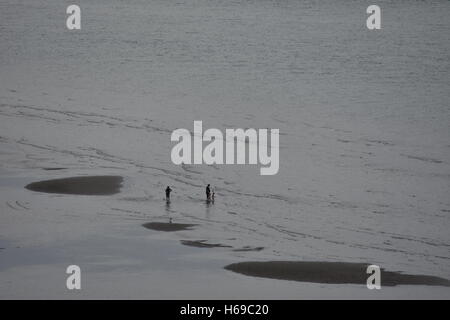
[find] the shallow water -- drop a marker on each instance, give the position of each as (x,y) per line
(363,117)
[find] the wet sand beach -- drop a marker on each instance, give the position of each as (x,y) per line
(90,185)
(329,272)
(203,244)
(163,226)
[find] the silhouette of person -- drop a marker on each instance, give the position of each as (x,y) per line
(168,190)
(208,192)
(213,194)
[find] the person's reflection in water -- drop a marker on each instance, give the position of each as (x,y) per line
(208,205)
(168,206)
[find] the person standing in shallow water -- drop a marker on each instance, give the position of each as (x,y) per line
(208,192)
(168,190)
